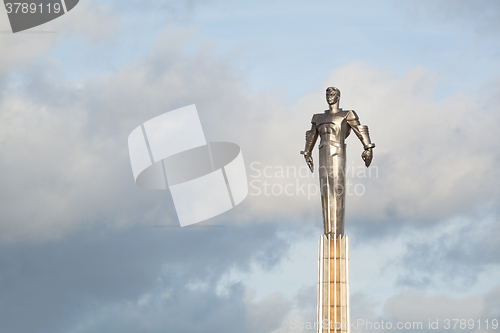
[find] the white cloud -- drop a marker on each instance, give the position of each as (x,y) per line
(435,159)
(91,21)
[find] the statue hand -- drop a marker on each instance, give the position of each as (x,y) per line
(309,161)
(367,156)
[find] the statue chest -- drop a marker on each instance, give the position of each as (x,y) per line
(333,126)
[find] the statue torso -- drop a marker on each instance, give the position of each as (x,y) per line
(332,127)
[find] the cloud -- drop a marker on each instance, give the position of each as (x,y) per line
(91,21)
(433,158)
(53,186)
(69,207)
(147,278)
(189,311)
(463,14)
(412,306)
(456,254)
(300,316)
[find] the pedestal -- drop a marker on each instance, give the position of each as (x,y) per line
(333,284)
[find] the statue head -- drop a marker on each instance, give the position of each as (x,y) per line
(332,95)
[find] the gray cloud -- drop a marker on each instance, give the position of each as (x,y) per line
(69,206)
(96,279)
(457,254)
(412,306)
(306,297)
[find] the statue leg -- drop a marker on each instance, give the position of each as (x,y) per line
(332,183)
(324,183)
(339,187)
(325,198)
(327,182)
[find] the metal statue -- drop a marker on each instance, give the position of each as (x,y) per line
(334,126)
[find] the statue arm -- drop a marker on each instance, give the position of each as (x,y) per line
(311,137)
(363,135)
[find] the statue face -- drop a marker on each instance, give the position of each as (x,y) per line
(332,97)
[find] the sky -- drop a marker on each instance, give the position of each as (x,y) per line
(84,249)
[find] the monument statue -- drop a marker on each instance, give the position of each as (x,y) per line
(333,127)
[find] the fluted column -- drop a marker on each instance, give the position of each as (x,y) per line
(333,284)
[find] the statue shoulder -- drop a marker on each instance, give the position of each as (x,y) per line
(315,118)
(351,115)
